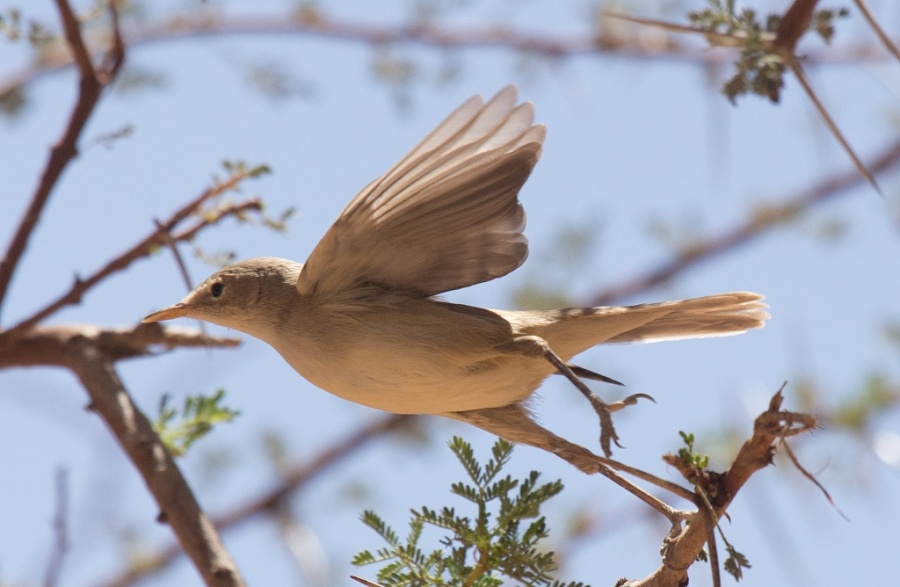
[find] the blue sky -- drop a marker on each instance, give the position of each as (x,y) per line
(629,142)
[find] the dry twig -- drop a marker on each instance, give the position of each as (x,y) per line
(765,219)
(91,84)
(681,550)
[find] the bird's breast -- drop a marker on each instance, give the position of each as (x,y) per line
(415,357)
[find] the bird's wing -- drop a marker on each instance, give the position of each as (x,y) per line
(445,216)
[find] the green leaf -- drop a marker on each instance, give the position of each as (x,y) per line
(199,414)
(484,549)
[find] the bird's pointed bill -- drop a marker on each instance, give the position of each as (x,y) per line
(170,313)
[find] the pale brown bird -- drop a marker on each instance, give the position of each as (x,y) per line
(359,319)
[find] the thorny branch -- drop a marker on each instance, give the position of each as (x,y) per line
(680,550)
(780,45)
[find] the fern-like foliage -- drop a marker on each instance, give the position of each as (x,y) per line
(199,414)
(493,544)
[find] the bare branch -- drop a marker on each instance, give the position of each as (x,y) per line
(781,45)
(178,506)
(294,480)
(48,346)
(764,220)
(65,150)
(144,248)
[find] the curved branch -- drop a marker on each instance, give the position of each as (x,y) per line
(90,87)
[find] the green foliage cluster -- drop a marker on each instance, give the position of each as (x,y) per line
(477,551)
(759,69)
(736,561)
(197,417)
(687,455)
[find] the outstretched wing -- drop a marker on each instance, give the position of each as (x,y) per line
(445,216)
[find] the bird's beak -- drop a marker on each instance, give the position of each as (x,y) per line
(177,311)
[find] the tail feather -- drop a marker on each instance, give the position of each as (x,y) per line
(574,330)
(715,315)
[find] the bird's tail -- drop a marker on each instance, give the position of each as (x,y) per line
(572,330)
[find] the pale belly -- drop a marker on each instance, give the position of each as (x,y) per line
(410,362)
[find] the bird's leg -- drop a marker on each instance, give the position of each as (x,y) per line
(607,429)
(534,346)
(514,424)
(593,375)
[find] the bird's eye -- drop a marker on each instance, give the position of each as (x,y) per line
(216,289)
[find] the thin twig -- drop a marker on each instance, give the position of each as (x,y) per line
(60,529)
(179,261)
(766,219)
(793,457)
(144,248)
(90,89)
(879,32)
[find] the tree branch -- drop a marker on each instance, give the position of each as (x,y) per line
(143,248)
(178,506)
(497,37)
(294,480)
(765,219)
(680,551)
(90,88)
(48,346)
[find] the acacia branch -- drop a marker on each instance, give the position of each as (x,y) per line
(763,220)
(90,87)
(756,453)
(144,248)
(635,46)
(178,506)
(48,346)
(293,481)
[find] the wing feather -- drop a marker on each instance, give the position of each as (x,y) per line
(445,216)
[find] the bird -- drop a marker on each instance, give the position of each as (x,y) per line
(362,319)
